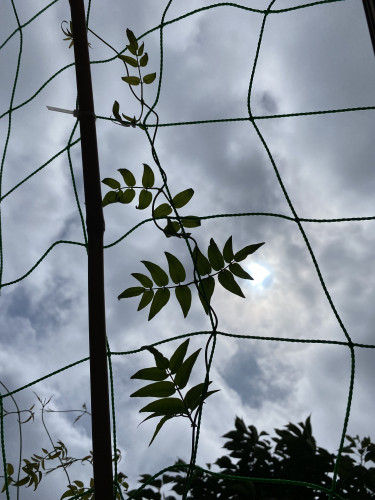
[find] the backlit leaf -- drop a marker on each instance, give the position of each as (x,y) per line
(159,301)
(150,374)
(155,390)
(159,426)
(148,178)
(228,250)
(227,281)
(191,221)
(127,196)
(162,210)
(201,262)
(131,37)
(208,288)
(144,60)
(160,360)
(172,228)
(147,296)
(141,49)
(214,256)
(176,269)
(145,198)
(131,80)
(149,78)
(238,271)
(131,292)
(181,199)
(129,60)
(132,49)
(183,295)
(116,110)
(143,279)
(183,373)
(127,176)
(242,254)
(178,356)
(194,395)
(159,276)
(112,183)
(165,406)
(110,197)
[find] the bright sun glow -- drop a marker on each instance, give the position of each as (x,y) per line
(258,272)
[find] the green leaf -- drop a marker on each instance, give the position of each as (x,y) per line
(162,210)
(228,250)
(131,292)
(191,221)
(159,301)
(127,176)
(112,183)
(183,295)
(149,78)
(172,228)
(129,60)
(181,199)
(165,406)
(148,178)
(194,395)
(183,373)
(227,281)
(178,356)
(209,287)
(155,390)
(132,49)
(150,374)
(116,110)
(160,360)
(110,197)
(214,256)
(141,49)
(238,271)
(145,198)
(131,37)
(202,265)
(159,426)
(131,80)
(242,254)
(147,296)
(144,61)
(159,276)
(127,196)
(79,484)
(176,269)
(10,469)
(143,279)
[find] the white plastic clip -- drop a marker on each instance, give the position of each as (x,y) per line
(60,110)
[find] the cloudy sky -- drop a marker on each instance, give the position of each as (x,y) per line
(312,59)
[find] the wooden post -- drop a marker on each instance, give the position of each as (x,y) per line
(101,429)
(369,6)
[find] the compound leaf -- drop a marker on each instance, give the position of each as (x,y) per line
(214,256)
(238,271)
(184,371)
(148,178)
(162,210)
(155,390)
(145,198)
(242,254)
(183,295)
(176,269)
(150,374)
(159,301)
(131,80)
(227,281)
(127,196)
(147,296)
(181,199)
(131,292)
(143,279)
(149,78)
(159,276)
(127,176)
(201,262)
(178,356)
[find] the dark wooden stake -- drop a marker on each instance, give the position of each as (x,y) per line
(369,6)
(101,427)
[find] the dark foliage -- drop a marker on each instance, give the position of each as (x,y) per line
(292,454)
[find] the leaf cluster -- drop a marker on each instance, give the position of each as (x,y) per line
(291,454)
(155,287)
(169,377)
